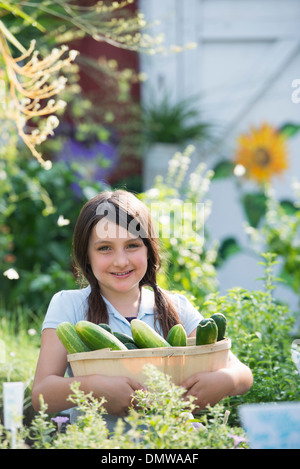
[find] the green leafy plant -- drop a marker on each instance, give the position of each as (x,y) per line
(161,419)
(41,34)
(260,330)
(35,67)
(39,212)
(279,233)
(180,122)
(19,350)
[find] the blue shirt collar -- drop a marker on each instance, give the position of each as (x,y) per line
(146,306)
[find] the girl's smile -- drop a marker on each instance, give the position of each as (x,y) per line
(119,262)
(122,274)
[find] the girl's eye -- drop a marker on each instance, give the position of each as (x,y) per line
(103,248)
(106,248)
(133,245)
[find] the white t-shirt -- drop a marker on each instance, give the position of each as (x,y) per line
(72,306)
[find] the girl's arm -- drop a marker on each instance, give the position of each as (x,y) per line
(50,381)
(211,387)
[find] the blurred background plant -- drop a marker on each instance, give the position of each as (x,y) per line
(168,127)
(262,153)
(19,349)
(261,157)
(40,197)
(180,206)
(279,232)
(180,122)
(273,225)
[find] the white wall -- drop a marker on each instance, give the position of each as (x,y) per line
(247,56)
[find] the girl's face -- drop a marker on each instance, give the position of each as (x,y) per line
(117,258)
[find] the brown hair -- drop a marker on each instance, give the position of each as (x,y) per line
(131,213)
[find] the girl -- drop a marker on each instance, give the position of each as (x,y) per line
(116,251)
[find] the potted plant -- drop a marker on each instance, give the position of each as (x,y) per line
(167,128)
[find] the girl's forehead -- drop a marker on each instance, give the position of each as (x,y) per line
(108,230)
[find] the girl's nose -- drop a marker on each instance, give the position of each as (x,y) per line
(121,259)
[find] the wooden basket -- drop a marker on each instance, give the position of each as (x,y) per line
(178,362)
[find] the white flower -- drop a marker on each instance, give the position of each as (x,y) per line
(11,274)
(152,193)
(62,221)
(52,122)
(47,165)
(61,104)
(73,54)
(239,170)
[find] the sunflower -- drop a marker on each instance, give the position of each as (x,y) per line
(262,152)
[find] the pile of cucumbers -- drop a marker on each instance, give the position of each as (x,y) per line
(86,336)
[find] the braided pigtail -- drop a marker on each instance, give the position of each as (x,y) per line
(97,311)
(165,312)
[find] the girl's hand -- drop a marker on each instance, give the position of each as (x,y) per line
(117,390)
(209,387)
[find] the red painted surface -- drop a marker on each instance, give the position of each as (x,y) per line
(130,164)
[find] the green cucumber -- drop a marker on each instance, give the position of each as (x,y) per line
(221,322)
(146,337)
(177,336)
(130,346)
(106,327)
(207,332)
(68,336)
(126,339)
(96,337)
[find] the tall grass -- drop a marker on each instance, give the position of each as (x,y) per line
(20,343)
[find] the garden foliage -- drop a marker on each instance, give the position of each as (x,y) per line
(279,232)
(39,208)
(164,421)
(259,328)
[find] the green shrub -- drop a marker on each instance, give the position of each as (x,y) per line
(163,421)
(278,232)
(260,330)
(20,344)
(40,208)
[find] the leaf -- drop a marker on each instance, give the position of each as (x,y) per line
(223,169)
(228,247)
(289,129)
(289,207)
(11,38)
(255,207)
(18,12)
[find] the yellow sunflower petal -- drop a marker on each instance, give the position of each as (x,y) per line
(263,152)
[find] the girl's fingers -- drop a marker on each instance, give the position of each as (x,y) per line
(189,382)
